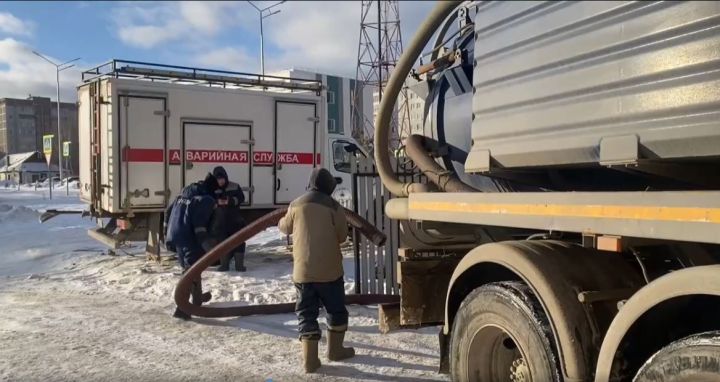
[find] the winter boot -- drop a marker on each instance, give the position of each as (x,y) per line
(239,262)
(198,297)
(310,354)
(224,264)
(181,315)
(335,338)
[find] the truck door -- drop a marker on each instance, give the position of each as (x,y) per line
(85,144)
(142,141)
(295,148)
(210,144)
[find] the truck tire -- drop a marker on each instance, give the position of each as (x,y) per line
(501,333)
(695,358)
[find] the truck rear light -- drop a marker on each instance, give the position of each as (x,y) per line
(609,243)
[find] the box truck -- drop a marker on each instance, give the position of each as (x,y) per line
(148,130)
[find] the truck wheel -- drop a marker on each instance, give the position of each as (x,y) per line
(695,358)
(500,333)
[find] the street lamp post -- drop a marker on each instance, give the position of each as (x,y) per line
(264,13)
(58,68)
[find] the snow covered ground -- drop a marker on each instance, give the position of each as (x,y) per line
(71,311)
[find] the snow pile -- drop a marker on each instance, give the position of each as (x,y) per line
(7,184)
(271,238)
(27,246)
(46,183)
(16,213)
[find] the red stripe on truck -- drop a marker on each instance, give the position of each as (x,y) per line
(296,158)
(216,156)
(266,158)
(175,157)
(260,158)
(263,158)
(142,155)
(210,156)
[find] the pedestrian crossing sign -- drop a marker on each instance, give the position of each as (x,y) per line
(47,147)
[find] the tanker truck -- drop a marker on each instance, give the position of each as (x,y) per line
(568,226)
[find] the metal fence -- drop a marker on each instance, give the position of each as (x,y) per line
(376,267)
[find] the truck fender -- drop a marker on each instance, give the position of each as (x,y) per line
(556,272)
(688,282)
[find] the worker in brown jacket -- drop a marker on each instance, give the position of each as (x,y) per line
(318,227)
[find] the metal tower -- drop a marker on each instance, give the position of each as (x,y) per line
(379,50)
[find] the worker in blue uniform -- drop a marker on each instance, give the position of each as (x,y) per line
(188,219)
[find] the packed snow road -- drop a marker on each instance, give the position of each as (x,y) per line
(72,312)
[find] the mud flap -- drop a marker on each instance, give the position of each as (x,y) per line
(424,285)
(154,238)
(444,341)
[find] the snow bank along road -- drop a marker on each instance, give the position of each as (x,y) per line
(69,312)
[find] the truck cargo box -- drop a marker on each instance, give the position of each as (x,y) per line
(144,138)
(588,83)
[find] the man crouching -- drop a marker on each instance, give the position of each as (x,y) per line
(318,227)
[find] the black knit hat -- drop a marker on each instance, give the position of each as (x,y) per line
(210,183)
(220,172)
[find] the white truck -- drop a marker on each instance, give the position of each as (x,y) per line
(148,130)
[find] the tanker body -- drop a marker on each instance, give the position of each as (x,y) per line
(572,158)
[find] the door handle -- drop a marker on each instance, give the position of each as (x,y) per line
(145,193)
(188,165)
(277,185)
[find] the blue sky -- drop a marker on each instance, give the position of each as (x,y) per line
(320,36)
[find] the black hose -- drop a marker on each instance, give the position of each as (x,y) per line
(392,89)
(183,288)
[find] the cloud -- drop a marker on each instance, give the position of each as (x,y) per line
(148,25)
(324,36)
(205,17)
(13,25)
(22,73)
(149,36)
(317,36)
(135,24)
(321,36)
(229,58)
